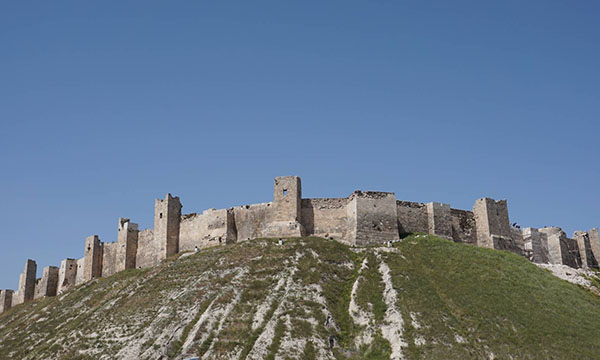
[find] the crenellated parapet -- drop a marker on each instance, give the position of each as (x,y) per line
(363,218)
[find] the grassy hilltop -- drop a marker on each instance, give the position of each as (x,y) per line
(425,298)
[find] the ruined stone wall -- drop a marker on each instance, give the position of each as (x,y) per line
(211,228)
(412,217)
(376,218)
(147,250)
(326,218)
(48,284)
(6,297)
(67,275)
(109,258)
(463,226)
(251,221)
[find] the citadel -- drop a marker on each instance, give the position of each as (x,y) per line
(364,218)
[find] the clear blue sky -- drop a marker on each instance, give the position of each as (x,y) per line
(105,106)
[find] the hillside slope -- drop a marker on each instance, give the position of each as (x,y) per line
(425,298)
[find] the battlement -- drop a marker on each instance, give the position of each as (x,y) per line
(363,218)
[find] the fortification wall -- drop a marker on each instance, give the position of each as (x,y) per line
(463,226)
(412,217)
(326,218)
(376,218)
(109,258)
(211,228)
(147,250)
(363,218)
(251,221)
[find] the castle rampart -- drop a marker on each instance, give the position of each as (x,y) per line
(364,218)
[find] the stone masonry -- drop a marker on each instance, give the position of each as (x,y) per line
(364,218)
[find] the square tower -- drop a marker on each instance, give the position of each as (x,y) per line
(67,275)
(93,258)
(5,300)
(167,219)
(127,242)
(48,285)
(439,219)
(287,198)
(27,282)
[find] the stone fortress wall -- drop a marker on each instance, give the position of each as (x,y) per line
(364,218)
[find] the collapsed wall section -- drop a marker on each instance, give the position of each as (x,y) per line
(463,226)
(326,218)
(376,217)
(211,228)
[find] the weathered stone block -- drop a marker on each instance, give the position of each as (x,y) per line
(588,260)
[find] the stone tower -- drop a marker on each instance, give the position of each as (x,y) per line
(439,219)
(167,218)
(287,202)
(493,225)
(6,297)
(127,242)
(48,284)
(67,275)
(93,258)
(27,282)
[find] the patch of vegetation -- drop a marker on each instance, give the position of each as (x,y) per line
(279,332)
(369,294)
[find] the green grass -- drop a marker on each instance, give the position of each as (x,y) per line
(498,302)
